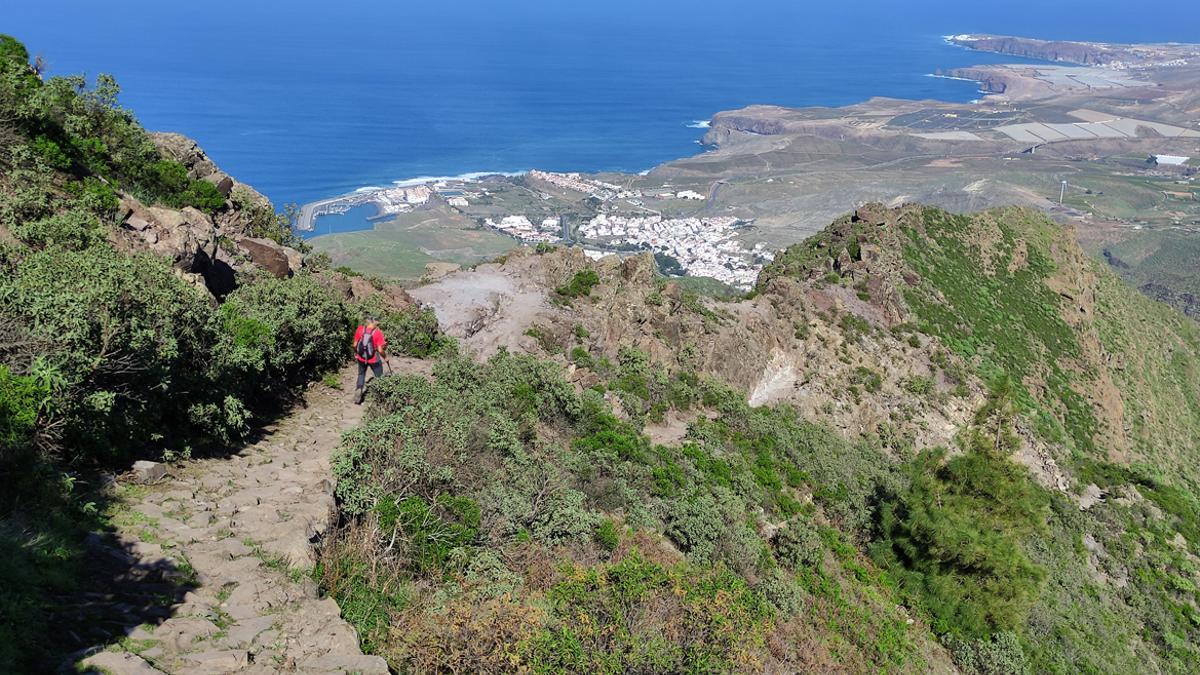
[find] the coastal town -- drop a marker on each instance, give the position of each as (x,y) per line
(605,218)
(703,247)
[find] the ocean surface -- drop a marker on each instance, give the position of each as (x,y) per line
(309,99)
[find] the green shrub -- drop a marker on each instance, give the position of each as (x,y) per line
(920,386)
(413,331)
(279,332)
(416,333)
(695,523)
(607,535)
(581,357)
(611,439)
(1001,654)
(22,399)
(133,350)
(867,378)
(200,194)
(617,618)
(854,328)
(51,153)
(74,229)
(565,518)
(580,285)
(431,529)
(13,55)
(955,540)
(118,354)
(781,590)
(798,544)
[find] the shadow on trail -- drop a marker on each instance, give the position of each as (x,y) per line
(68,582)
(124,590)
(71,584)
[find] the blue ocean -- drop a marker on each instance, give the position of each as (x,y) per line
(311,98)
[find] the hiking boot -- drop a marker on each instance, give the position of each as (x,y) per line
(359,395)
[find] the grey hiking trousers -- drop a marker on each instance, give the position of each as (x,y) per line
(376,369)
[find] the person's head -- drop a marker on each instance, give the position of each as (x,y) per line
(372,322)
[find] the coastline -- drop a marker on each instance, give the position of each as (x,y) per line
(310,212)
(789,170)
(1039,68)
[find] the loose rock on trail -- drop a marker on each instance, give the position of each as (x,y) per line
(240,530)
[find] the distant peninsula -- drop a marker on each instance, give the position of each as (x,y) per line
(1101,135)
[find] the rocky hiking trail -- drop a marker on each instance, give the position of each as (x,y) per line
(214,556)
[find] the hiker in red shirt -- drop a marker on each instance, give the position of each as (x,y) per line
(370,348)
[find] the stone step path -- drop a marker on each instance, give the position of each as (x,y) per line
(240,531)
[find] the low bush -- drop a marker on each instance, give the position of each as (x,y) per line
(1000,654)
(580,285)
(431,529)
(22,400)
(955,538)
(798,544)
(413,331)
(607,535)
(73,230)
(131,350)
(639,616)
(279,332)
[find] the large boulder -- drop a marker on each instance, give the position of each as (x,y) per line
(271,256)
(639,269)
(358,289)
(186,237)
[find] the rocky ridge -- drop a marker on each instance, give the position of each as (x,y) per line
(833,335)
(814,345)
(213,252)
(1081,53)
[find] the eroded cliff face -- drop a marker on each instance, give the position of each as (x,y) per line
(990,81)
(760,121)
(1081,53)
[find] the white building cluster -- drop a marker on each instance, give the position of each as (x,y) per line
(524,229)
(400,199)
(705,247)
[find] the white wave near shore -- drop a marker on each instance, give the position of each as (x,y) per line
(473,175)
(700,124)
(950,77)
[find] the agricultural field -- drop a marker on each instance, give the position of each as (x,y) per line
(400,248)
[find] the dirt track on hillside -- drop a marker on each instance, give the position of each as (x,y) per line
(245,523)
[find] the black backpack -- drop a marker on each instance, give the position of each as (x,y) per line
(366,345)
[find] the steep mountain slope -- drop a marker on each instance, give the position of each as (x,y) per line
(968,437)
